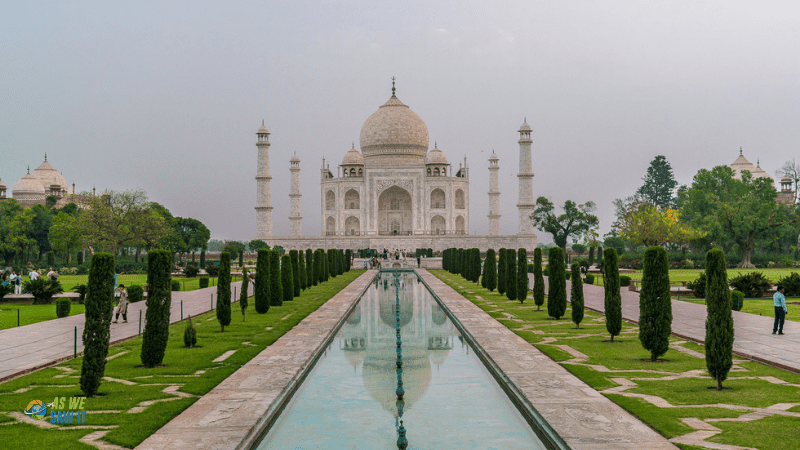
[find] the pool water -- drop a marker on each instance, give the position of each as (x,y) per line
(349,399)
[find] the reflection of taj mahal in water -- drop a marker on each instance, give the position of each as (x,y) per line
(395,193)
(368,339)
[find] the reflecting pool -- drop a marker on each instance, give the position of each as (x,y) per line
(350,399)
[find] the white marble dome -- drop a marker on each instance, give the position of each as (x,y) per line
(48,176)
(394,129)
(28,191)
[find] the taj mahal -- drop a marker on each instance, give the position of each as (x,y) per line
(395,193)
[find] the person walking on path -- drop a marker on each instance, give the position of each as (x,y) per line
(123,304)
(779,300)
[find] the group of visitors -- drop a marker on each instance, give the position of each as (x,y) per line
(15,279)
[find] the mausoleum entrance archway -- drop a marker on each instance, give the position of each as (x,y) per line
(394,212)
(352,226)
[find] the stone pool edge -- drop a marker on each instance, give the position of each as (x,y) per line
(581,416)
(234,414)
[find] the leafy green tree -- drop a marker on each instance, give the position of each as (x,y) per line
(243,293)
(613,298)
(490,270)
(502,272)
(311,277)
(257,244)
(262,282)
(287,278)
(97,330)
(576,294)
(64,234)
(194,233)
(125,218)
(40,227)
(557,283)
(275,285)
(224,290)
(719,321)
(159,299)
(511,274)
(522,275)
(735,212)
(659,183)
(538,279)
(9,209)
(576,220)
(655,304)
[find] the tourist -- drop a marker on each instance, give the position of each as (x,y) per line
(33,275)
(123,304)
(52,275)
(779,300)
(418,260)
(17,280)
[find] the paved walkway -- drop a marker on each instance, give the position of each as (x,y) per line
(753,338)
(31,347)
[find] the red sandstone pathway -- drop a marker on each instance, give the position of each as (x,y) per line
(25,349)
(753,338)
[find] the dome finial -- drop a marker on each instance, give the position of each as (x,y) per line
(740,150)
(45,156)
(29,169)
(525,119)
(435,144)
(393,87)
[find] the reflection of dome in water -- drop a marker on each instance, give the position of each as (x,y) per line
(380,377)
(438,315)
(388,314)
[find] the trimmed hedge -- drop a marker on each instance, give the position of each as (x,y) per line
(655,303)
(224,290)
(624,281)
(135,293)
(63,306)
(159,299)
(97,330)
(737,300)
(262,282)
(203,282)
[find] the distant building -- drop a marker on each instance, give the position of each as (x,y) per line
(741,164)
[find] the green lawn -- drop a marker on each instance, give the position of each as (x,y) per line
(764,307)
(29,314)
(752,384)
(187,284)
(191,369)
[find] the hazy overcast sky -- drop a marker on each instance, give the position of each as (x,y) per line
(167,96)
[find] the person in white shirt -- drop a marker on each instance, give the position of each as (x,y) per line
(33,275)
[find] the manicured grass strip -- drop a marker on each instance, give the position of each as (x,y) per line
(29,313)
(190,370)
(680,379)
(764,308)
(187,284)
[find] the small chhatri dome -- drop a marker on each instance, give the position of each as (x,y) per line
(2,185)
(525,126)
(436,156)
(394,129)
(494,156)
(784,180)
(262,129)
(741,164)
(353,157)
(294,158)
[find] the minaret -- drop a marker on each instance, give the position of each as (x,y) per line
(295,219)
(494,197)
(525,205)
(263,179)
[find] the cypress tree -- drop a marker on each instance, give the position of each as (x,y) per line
(719,321)
(275,284)
(538,279)
(287,278)
(97,330)
(295,273)
(326,266)
(331,264)
(576,294)
(159,299)
(485,268)
(202,259)
(556,283)
(262,282)
(318,266)
(243,293)
(490,266)
(311,279)
(655,305)
(224,290)
(241,260)
(301,269)
(613,299)
(477,264)
(591,256)
(511,274)
(522,275)
(501,272)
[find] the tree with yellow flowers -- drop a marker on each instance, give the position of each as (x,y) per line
(651,225)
